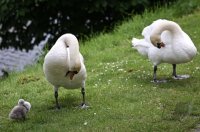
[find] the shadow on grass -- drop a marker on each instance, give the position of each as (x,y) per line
(189,84)
(182,111)
(45,112)
(66,103)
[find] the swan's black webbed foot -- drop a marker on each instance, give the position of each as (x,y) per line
(58,107)
(83,106)
(159,81)
(180,77)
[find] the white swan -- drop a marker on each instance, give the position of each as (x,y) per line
(64,67)
(165,42)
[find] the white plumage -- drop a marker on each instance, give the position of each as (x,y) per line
(165,42)
(64,67)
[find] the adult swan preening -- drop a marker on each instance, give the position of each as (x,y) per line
(64,67)
(165,42)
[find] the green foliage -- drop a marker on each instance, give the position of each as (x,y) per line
(118,88)
(61,16)
(26,79)
(186,7)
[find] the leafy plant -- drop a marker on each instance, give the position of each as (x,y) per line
(26,23)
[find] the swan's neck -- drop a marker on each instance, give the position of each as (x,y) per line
(68,58)
(73,56)
(170,26)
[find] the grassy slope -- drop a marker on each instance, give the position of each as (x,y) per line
(118,88)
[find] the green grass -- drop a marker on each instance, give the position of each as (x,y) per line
(118,88)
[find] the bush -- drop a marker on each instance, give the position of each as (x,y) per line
(26,23)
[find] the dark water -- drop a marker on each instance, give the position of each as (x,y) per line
(12,59)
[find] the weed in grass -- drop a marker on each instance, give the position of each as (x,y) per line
(27,79)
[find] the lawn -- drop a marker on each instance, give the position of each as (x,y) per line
(119,90)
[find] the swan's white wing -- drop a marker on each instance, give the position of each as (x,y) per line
(141,45)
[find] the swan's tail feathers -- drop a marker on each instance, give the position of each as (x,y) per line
(141,45)
(135,43)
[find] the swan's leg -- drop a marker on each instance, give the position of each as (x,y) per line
(154,73)
(56,97)
(83,93)
(175,76)
(83,105)
(174,70)
(155,76)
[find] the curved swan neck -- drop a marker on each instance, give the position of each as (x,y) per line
(162,26)
(68,56)
(170,26)
(73,56)
(70,41)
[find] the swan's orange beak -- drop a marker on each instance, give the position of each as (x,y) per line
(160,45)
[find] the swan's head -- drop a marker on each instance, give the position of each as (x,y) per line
(24,103)
(156,41)
(21,102)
